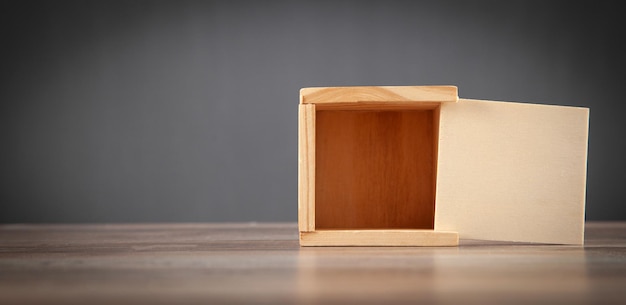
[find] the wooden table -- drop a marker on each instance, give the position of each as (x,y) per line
(243,263)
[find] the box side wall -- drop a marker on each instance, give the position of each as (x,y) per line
(306,168)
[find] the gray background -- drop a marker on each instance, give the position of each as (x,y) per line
(154,111)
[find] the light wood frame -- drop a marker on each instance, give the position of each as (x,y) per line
(358,100)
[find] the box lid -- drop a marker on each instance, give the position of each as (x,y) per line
(512,171)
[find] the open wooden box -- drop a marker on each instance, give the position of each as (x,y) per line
(417,166)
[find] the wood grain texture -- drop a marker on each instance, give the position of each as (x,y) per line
(512,171)
(377,106)
(427,238)
(374,170)
(386,94)
(262,263)
(306,167)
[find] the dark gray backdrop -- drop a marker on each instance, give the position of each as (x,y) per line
(187,111)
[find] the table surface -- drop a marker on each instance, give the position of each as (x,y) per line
(244,263)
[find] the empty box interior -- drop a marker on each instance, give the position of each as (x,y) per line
(375,169)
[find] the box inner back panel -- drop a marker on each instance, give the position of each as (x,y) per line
(375,169)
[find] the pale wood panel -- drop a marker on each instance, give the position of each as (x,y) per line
(393,94)
(512,171)
(379,238)
(306,167)
(374,169)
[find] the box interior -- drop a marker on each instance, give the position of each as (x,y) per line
(375,169)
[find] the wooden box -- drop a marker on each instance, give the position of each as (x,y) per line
(417,166)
